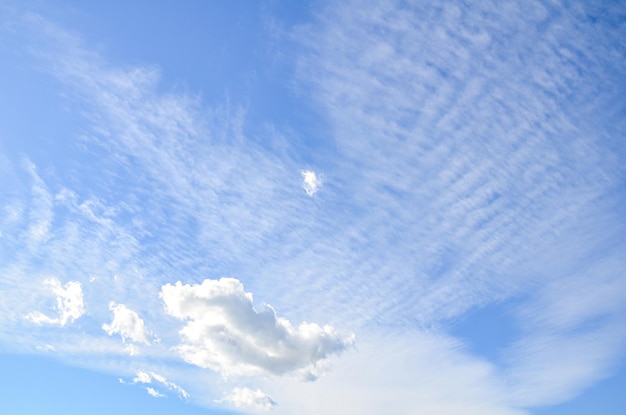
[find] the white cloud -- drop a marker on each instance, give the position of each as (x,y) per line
(502,172)
(574,330)
(142,377)
(154,393)
(248,399)
(402,374)
(225,333)
(311,182)
(150,377)
(69,304)
(479,170)
(127,324)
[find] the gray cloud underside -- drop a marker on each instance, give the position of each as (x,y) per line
(224,332)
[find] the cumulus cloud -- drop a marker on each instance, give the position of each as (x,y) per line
(225,333)
(127,324)
(249,399)
(69,304)
(155,378)
(311,182)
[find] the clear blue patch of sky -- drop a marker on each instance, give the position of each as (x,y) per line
(487,331)
(34,115)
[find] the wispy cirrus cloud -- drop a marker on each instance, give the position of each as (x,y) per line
(209,188)
(466,167)
(473,163)
(40,217)
(476,160)
(403,373)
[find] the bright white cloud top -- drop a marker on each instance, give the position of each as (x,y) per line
(311,183)
(463,251)
(225,333)
(127,324)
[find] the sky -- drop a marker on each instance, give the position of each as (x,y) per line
(315,207)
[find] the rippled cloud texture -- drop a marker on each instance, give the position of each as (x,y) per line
(412,207)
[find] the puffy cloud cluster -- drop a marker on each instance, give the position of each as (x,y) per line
(127,324)
(311,182)
(248,398)
(225,333)
(69,304)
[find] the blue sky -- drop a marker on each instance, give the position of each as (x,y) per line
(312,207)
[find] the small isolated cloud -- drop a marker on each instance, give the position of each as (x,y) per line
(154,393)
(69,304)
(311,182)
(127,324)
(225,333)
(249,399)
(151,377)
